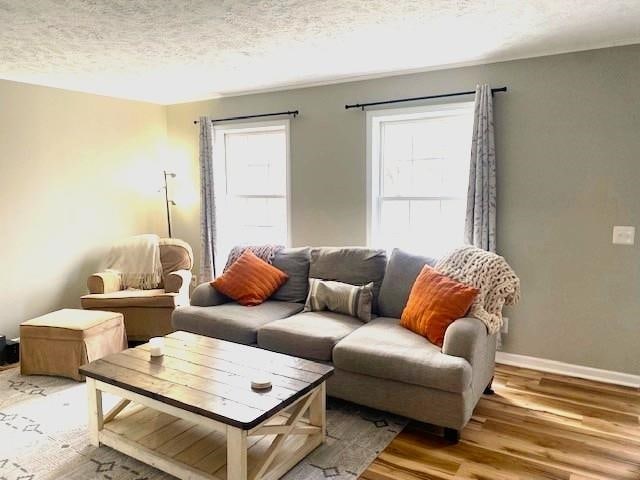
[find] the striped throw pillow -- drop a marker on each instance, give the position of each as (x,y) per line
(340,297)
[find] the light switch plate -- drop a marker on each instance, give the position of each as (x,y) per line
(624,235)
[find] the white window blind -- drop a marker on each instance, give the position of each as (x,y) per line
(418,162)
(252,186)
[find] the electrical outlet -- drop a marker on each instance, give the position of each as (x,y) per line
(505,325)
(624,235)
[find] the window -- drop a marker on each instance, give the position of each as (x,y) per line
(418,171)
(252,185)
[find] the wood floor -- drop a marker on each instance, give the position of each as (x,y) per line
(536,426)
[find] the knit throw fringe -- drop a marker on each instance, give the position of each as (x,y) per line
(263,252)
(497,283)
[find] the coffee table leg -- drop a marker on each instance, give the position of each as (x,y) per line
(236,454)
(96,420)
(318,410)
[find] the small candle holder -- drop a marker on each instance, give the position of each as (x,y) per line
(261,383)
(156,346)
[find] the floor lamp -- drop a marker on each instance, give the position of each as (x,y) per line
(168,203)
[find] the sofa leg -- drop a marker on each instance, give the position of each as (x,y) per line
(452,435)
(488,390)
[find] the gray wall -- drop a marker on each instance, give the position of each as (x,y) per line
(77,171)
(568,146)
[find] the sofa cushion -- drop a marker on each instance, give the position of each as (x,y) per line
(295,263)
(384,349)
(133,298)
(402,270)
(231,321)
(309,335)
(354,265)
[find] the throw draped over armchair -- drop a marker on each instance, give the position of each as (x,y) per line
(147,313)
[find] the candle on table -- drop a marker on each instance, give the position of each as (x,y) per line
(156,346)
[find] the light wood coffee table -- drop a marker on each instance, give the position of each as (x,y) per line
(192,412)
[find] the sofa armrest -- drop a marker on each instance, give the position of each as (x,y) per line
(104,282)
(178,282)
(205,295)
(467,338)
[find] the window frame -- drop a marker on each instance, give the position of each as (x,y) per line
(220,158)
(374,120)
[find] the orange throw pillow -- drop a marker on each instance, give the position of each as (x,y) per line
(250,280)
(435,302)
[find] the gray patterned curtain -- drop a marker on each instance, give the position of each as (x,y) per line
(207,202)
(480,222)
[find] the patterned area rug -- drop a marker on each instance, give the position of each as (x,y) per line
(43,435)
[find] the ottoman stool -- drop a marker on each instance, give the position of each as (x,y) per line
(59,342)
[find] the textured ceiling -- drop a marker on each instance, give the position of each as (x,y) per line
(169,51)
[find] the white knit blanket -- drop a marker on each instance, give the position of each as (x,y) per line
(137,260)
(491,275)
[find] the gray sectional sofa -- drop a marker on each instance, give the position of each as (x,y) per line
(379,363)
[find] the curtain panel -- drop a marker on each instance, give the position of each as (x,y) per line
(480,221)
(207,202)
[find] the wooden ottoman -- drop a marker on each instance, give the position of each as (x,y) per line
(59,342)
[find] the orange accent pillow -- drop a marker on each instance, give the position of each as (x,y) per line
(435,302)
(250,280)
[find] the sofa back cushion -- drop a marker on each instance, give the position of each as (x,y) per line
(354,265)
(295,263)
(402,270)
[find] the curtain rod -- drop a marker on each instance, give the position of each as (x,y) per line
(399,100)
(244,117)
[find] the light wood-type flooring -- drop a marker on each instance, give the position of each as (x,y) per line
(536,426)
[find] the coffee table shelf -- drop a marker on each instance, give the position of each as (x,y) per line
(212,426)
(171,443)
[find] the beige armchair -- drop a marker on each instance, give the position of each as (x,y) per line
(147,313)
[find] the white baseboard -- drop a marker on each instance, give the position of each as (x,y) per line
(571,370)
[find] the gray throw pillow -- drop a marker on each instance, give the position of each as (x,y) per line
(402,270)
(295,263)
(340,297)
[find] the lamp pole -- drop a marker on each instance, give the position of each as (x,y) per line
(168,202)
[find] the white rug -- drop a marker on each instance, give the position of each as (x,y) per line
(43,435)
